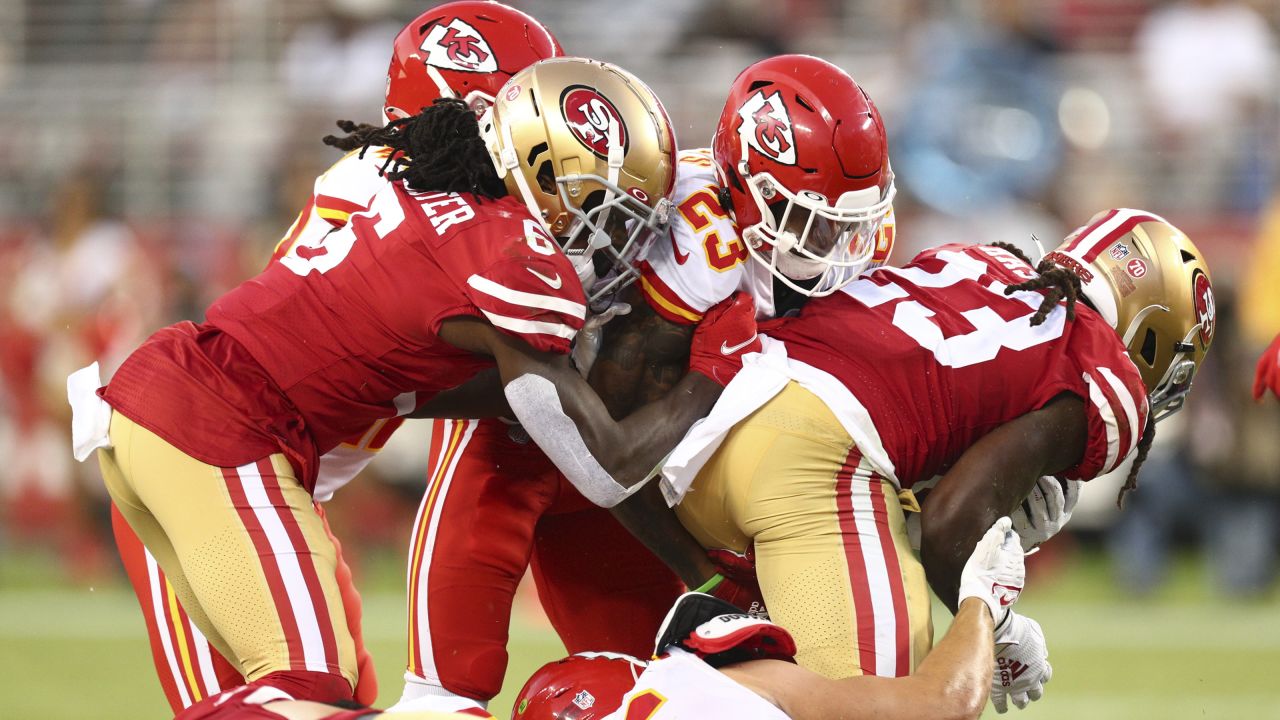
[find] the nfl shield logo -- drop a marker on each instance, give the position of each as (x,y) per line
(1119,251)
(584,700)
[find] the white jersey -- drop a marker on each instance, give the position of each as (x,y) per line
(703,261)
(343,190)
(682,687)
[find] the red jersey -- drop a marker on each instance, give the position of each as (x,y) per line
(939,356)
(342,331)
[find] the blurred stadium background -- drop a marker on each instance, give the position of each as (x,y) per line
(153,151)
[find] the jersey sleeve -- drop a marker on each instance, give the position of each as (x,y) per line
(346,188)
(1116,410)
(538,299)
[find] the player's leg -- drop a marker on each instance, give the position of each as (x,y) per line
(832,555)
(366,690)
(470,547)
(247,557)
(189,669)
(600,587)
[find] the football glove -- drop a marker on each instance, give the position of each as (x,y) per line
(586,344)
(1267,376)
(1046,510)
(994,572)
(726,333)
(735,580)
(1022,663)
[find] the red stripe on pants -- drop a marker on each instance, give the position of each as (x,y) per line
(902,625)
(275,583)
(866,620)
(319,603)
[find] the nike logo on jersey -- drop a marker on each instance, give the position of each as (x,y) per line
(727,349)
(681,258)
(555,282)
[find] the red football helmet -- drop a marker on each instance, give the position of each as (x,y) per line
(465,50)
(802,154)
(586,686)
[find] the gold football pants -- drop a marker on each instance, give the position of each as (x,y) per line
(831,548)
(243,548)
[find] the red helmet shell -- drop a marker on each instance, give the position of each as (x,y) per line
(805,122)
(473,47)
(586,686)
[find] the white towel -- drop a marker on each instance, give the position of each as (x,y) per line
(90,414)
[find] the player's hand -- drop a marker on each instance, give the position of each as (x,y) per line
(737,584)
(586,344)
(1022,663)
(1046,510)
(1267,376)
(994,573)
(726,333)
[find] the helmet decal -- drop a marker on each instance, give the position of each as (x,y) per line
(589,116)
(1136,267)
(1119,251)
(1206,309)
(459,46)
(766,127)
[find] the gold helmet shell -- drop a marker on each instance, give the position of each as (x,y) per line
(1150,282)
(589,148)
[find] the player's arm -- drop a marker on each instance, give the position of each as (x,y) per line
(953,680)
(991,478)
(642,358)
(479,397)
(951,683)
(605,459)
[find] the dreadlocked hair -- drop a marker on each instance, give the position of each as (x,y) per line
(438,149)
(1144,447)
(1059,281)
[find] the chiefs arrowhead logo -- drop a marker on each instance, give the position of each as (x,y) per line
(589,116)
(766,126)
(1206,309)
(458,46)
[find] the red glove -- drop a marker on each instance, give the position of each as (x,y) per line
(737,583)
(726,333)
(1268,373)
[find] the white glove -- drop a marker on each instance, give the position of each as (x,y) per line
(994,573)
(1045,511)
(1022,663)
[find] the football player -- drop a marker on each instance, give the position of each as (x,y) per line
(966,363)
(465,50)
(800,160)
(447,273)
(713,661)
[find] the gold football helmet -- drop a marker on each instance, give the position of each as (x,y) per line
(1147,279)
(590,150)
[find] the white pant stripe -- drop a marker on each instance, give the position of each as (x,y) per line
(164,628)
(878,580)
(423,621)
(286,559)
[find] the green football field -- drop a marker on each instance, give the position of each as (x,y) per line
(69,652)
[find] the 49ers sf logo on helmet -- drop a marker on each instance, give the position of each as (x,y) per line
(766,127)
(458,46)
(1206,312)
(590,116)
